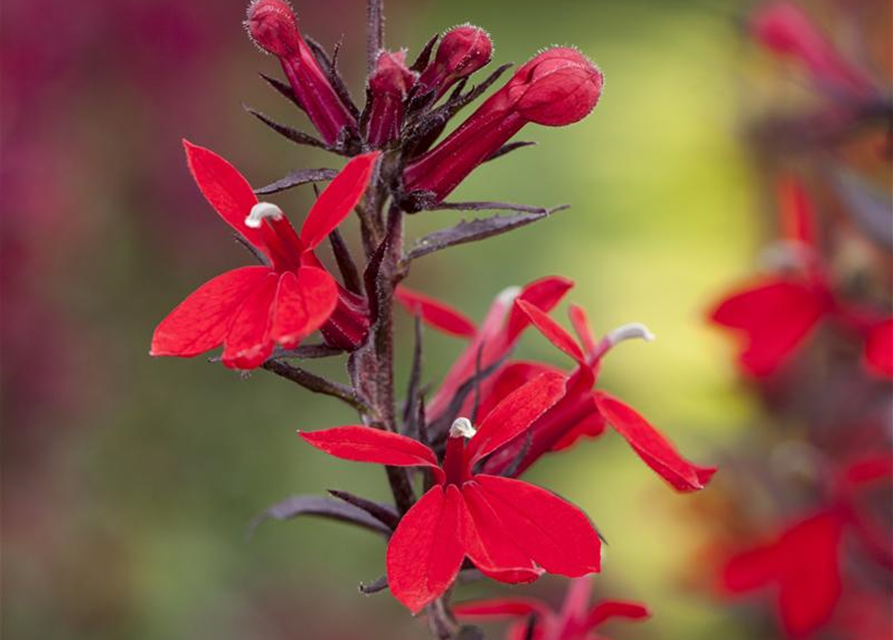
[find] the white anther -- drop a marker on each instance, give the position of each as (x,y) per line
(508,295)
(631,331)
(462,427)
(260,212)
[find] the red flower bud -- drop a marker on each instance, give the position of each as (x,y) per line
(273,27)
(462,51)
(785,29)
(557,87)
(388,86)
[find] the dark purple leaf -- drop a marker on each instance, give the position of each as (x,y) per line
(297,178)
(385,514)
(474,230)
(320,507)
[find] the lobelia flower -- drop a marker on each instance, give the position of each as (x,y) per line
(388,86)
(510,530)
(558,87)
(803,564)
(251,309)
(784,28)
(581,412)
(775,315)
(462,51)
(577,620)
(274,28)
(584,411)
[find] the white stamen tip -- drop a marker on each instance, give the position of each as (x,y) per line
(631,331)
(260,211)
(508,295)
(463,428)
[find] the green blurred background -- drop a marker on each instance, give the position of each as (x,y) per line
(128,482)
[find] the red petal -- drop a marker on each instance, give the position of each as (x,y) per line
(589,427)
(515,414)
(338,199)
(608,609)
(225,189)
(811,583)
(304,302)
(555,533)
(657,452)
(774,317)
(366,444)
(435,313)
(750,570)
(201,321)
(544,294)
(248,343)
(554,332)
(507,379)
(501,608)
(581,326)
(488,546)
(879,349)
(426,552)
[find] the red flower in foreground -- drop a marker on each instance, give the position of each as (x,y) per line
(251,309)
(511,530)
(584,411)
(581,412)
(776,315)
(577,620)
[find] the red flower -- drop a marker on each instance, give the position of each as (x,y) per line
(583,411)
(249,310)
(274,28)
(803,563)
(577,620)
(556,88)
(803,566)
(512,531)
(776,315)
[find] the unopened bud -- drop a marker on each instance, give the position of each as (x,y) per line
(558,87)
(388,86)
(273,27)
(462,51)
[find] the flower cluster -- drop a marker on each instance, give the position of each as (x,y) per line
(807,513)
(452,460)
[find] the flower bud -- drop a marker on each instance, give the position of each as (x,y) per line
(273,27)
(388,86)
(558,87)
(785,29)
(462,51)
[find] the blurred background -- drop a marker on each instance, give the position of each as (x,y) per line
(128,481)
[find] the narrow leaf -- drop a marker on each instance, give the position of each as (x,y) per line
(297,178)
(382,512)
(298,137)
(320,507)
(508,148)
(474,230)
